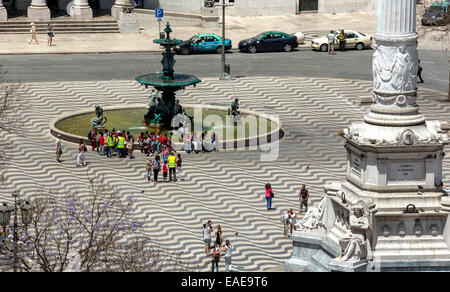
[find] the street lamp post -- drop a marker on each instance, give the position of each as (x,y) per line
(225,70)
(5,218)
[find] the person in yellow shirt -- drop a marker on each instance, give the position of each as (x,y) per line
(342,40)
(172,166)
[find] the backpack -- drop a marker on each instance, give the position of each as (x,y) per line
(89,136)
(155,165)
(217,254)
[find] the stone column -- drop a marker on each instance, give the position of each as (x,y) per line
(394,66)
(38,10)
(81,10)
(3,13)
(118,7)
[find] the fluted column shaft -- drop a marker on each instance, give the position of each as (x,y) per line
(3,13)
(394,66)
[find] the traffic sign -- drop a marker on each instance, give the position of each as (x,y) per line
(159,13)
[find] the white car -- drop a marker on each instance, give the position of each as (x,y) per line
(354,40)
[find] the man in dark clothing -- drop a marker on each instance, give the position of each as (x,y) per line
(303,197)
(419,72)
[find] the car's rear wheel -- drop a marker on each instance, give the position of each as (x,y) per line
(219,50)
(287,48)
(359,46)
(251,49)
(185,51)
(324,48)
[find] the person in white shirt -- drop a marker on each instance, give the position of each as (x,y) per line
(331,38)
(227,253)
(58,148)
(285,220)
(292,219)
(207,237)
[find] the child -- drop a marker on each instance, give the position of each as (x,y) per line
(165,171)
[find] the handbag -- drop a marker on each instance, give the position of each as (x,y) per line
(272,195)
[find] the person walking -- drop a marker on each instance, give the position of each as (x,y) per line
(121,145)
(303,197)
(215,253)
(130,145)
(207,228)
(292,219)
(50,35)
(342,40)
(156,166)
(33,34)
(81,153)
(149,167)
(269,196)
(285,220)
(419,72)
(219,236)
(331,39)
(58,148)
(227,254)
(179,169)
(172,166)
(101,143)
(93,138)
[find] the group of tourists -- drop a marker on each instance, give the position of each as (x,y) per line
(156,143)
(289,217)
(217,250)
(170,165)
(110,142)
(193,144)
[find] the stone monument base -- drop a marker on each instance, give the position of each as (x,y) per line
(311,253)
(36,13)
(82,13)
(116,10)
(127,23)
(337,265)
(3,14)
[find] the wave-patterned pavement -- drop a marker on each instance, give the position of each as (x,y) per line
(226,187)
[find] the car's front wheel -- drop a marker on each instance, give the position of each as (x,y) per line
(251,49)
(324,48)
(185,51)
(287,48)
(359,46)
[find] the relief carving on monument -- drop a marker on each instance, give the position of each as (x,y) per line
(400,73)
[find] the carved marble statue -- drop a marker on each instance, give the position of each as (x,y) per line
(100,120)
(313,219)
(357,247)
(74,262)
(401,70)
(153,96)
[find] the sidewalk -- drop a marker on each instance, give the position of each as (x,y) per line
(238,28)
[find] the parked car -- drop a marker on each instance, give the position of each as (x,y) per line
(202,43)
(269,41)
(354,40)
(437,14)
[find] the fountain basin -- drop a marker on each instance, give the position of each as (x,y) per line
(75,126)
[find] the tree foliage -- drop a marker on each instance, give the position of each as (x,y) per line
(99,226)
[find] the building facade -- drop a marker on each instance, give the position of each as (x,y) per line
(82,9)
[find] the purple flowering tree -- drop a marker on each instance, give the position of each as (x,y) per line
(94,230)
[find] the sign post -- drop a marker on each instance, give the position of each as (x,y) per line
(159,14)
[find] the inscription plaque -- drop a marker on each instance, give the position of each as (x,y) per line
(407,170)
